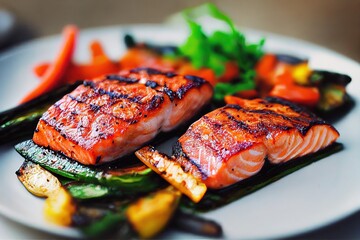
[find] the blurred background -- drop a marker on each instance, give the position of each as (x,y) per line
(334,24)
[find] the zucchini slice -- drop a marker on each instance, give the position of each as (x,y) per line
(133,179)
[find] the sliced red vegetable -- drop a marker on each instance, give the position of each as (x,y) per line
(233,100)
(248,94)
(54,74)
(142,57)
(231,72)
(41,68)
(206,73)
(308,96)
(285,77)
(266,66)
(100,65)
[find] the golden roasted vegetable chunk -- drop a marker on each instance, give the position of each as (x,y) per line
(37,180)
(149,215)
(60,207)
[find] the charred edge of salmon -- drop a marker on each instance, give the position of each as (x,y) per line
(187,164)
(150,71)
(169,169)
(195,82)
(153,104)
(216,126)
(246,127)
(112,95)
(302,123)
(121,78)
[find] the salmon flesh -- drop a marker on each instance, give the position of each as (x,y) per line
(109,117)
(232,143)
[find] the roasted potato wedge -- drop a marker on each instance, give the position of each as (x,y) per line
(149,215)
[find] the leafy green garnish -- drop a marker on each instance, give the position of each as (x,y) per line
(220,47)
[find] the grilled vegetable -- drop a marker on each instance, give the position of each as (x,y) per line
(37,180)
(53,76)
(20,122)
(59,207)
(195,224)
(149,215)
(99,65)
(130,42)
(130,180)
(82,190)
(172,172)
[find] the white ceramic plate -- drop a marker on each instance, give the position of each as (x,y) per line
(312,197)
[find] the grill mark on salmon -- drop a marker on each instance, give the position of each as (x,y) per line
(232,143)
(111,116)
(121,78)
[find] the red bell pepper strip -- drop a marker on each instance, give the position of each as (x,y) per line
(53,75)
(308,96)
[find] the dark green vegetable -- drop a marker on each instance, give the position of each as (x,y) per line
(103,217)
(270,173)
(167,50)
(20,121)
(131,179)
(109,224)
(195,224)
(215,50)
(334,101)
(289,59)
(83,190)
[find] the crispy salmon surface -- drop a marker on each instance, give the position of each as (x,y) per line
(232,143)
(109,117)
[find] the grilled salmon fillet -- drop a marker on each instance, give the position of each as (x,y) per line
(109,117)
(232,143)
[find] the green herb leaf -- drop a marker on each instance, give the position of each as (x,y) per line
(220,47)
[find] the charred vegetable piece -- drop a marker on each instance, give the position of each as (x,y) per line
(332,87)
(131,180)
(319,77)
(172,172)
(332,96)
(37,180)
(269,174)
(130,42)
(289,59)
(334,101)
(20,121)
(150,214)
(59,206)
(195,224)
